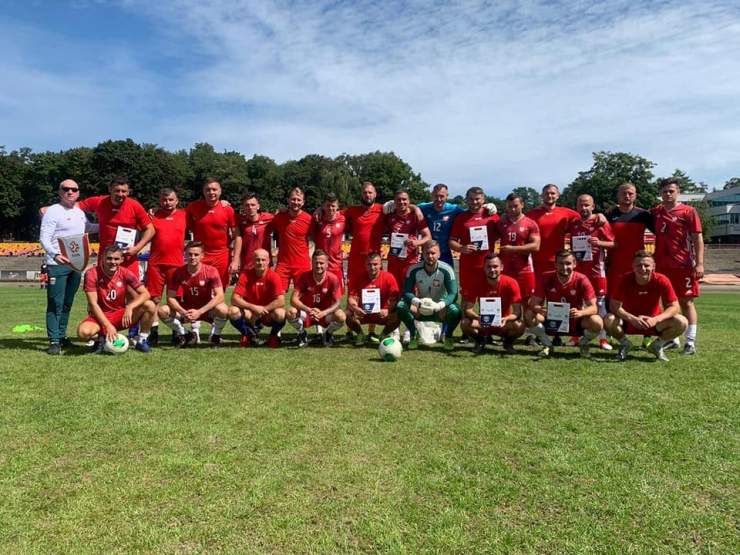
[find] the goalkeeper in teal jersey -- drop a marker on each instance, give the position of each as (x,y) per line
(429,294)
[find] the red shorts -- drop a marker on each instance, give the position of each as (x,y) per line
(308,322)
(630,330)
(469,280)
(599,285)
(526,285)
(340,276)
(398,267)
(683,281)
(491,330)
(219,260)
(207,317)
(357,272)
(372,319)
(156,277)
(613,277)
(115,318)
(287,274)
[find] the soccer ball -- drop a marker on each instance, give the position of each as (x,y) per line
(390,349)
(118,346)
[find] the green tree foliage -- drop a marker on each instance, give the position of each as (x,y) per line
(608,172)
(531,196)
(13,169)
(388,172)
(732,182)
(688,185)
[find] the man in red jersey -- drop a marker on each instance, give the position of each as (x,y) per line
(519,239)
(328,232)
(258,299)
(589,241)
(564,286)
(195,293)
(293,228)
(499,292)
(165,254)
(255,229)
(679,252)
(553,222)
(628,224)
(119,217)
(214,225)
(408,231)
(365,223)
(373,300)
(469,236)
(644,303)
(315,300)
(106,287)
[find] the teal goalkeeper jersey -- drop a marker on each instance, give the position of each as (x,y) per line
(440,285)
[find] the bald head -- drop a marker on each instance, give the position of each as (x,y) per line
(69,192)
(261,261)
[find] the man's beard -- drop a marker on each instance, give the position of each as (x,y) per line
(367,201)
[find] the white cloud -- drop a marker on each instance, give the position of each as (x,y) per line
(468,93)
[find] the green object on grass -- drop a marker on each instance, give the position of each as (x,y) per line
(25,328)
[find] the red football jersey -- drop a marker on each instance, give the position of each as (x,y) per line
(384,281)
(366,226)
(194,290)
(576,291)
(673,230)
(410,224)
(111,290)
(644,300)
(328,237)
(259,290)
(553,226)
(629,237)
(461,232)
(516,234)
(211,226)
(168,244)
(595,268)
(507,288)
(130,214)
(319,295)
(292,234)
(255,235)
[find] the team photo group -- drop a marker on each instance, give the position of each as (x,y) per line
(550,277)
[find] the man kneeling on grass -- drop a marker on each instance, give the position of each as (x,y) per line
(500,310)
(372,300)
(194,293)
(635,308)
(315,300)
(429,295)
(106,286)
(258,299)
(565,302)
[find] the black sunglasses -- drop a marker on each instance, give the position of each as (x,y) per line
(70,189)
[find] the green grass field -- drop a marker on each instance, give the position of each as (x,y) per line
(332,451)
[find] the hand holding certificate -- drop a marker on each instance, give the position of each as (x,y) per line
(490,312)
(479,237)
(125,237)
(558,317)
(582,248)
(398,245)
(371,300)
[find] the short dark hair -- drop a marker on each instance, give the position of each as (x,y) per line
(373,254)
(167,191)
(331,197)
(563,253)
(492,255)
(474,191)
(319,252)
(250,195)
(112,248)
(514,196)
(194,245)
(297,190)
(210,180)
(438,187)
(546,187)
(666,181)
(642,254)
(118,180)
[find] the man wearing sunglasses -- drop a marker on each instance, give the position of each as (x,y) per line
(61,220)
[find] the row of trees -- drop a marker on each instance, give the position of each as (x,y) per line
(29,180)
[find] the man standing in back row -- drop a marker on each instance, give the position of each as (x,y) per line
(679,252)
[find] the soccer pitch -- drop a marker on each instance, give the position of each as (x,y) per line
(331,450)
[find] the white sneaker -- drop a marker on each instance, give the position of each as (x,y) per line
(406,337)
(196,337)
(604,344)
(396,334)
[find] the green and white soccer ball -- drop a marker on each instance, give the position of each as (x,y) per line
(390,349)
(118,346)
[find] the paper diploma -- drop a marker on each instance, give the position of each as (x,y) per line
(479,237)
(371,301)
(125,237)
(490,311)
(398,244)
(558,317)
(582,248)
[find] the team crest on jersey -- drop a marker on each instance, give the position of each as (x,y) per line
(119,284)
(445,218)
(202,283)
(572,291)
(521,230)
(552,290)
(437,283)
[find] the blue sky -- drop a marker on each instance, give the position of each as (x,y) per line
(497,94)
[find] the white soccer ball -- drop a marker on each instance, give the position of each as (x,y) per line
(118,346)
(390,349)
